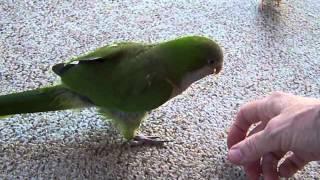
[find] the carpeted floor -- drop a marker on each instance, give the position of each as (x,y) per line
(273,49)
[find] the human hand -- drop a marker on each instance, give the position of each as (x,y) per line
(287,123)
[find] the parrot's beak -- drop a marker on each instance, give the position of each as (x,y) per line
(217,69)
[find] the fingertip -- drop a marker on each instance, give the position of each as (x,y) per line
(235,156)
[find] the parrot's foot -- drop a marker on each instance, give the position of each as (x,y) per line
(147,140)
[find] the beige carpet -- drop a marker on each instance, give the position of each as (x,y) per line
(273,49)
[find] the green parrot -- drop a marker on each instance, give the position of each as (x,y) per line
(124,81)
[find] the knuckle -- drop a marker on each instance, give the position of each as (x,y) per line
(277,94)
(275,102)
(270,131)
(241,111)
(242,114)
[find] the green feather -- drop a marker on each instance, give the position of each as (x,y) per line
(40,100)
(5,116)
(127,122)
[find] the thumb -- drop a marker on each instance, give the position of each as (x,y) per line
(250,149)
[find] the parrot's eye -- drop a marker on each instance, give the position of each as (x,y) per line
(210,61)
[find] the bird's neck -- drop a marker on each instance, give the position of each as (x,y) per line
(185,81)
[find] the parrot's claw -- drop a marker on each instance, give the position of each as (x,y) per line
(147,140)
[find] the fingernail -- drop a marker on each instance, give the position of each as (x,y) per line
(235,156)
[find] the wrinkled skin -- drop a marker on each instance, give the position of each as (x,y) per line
(286,123)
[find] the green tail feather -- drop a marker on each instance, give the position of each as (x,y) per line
(41,100)
(5,116)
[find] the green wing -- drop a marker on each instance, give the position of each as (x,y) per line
(125,77)
(106,52)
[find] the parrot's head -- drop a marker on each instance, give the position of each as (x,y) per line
(195,58)
(207,54)
(197,53)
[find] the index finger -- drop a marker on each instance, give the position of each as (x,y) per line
(250,113)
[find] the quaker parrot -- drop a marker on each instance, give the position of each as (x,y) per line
(124,81)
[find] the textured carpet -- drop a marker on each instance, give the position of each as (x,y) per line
(276,48)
